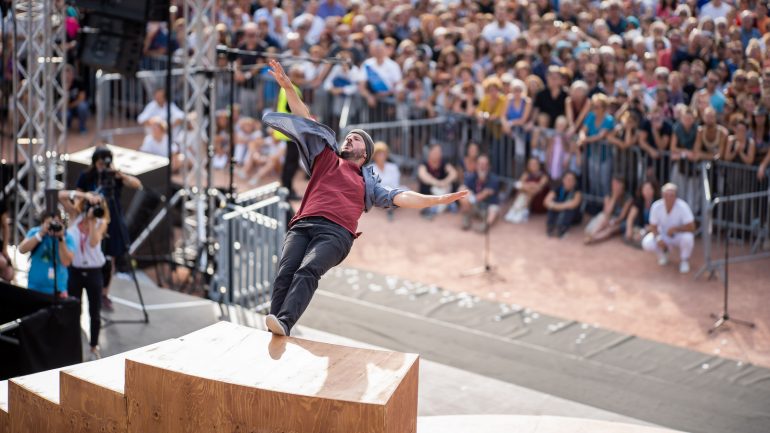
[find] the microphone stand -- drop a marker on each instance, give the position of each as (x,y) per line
(487,269)
(724,318)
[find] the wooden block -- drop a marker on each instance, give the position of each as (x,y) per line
(33,403)
(228,378)
(5,423)
(92,394)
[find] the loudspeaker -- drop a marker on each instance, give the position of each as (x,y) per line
(135,10)
(116,46)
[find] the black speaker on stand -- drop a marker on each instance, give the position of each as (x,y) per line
(113,38)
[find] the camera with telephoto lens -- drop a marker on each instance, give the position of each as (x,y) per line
(98,209)
(55,227)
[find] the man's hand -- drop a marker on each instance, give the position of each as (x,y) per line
(452,197)
(93,198)
(277,72)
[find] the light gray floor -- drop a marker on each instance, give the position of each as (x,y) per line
(443,390)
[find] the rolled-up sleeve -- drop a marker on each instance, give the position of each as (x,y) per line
(311,137)
(384,195)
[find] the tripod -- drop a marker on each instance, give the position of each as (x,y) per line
(125,255)
(487,269)
(724,318)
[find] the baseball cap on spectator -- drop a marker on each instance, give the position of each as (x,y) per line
(562,44)
(615,40)
(633,21)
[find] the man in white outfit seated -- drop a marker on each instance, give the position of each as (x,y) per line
(672,226)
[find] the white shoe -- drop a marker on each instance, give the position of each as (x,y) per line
(94,354)
(275,325)
(684,267)
(663,260)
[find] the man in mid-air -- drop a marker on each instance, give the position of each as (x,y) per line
(342,186)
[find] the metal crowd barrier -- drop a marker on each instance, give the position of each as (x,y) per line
(738,225)
(119,100)
(248,248)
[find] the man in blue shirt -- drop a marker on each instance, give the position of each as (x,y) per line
(483,201)
(49,244)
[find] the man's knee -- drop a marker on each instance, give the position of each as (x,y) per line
(649,243)
(686,241)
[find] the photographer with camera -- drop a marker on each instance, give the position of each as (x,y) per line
(51,252)
(90,218)
(102,178)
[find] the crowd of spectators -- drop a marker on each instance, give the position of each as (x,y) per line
(679,81)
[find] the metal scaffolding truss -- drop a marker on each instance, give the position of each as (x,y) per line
(200,56)
(38,105)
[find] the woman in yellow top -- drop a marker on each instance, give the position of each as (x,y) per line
(491,108)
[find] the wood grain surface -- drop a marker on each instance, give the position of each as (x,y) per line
(228,378)
(33,403)
(5,422)
(92,395)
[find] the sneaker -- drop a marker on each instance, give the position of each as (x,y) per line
(684,267)
(275,325)
(107,304)
(466,222)
(94,354)
(663,260)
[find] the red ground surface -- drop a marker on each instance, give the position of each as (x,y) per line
(609,284)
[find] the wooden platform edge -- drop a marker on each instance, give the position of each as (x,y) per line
(29,412)
(88,407)
(5,421)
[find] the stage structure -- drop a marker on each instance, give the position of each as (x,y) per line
(198,132)
(39,103)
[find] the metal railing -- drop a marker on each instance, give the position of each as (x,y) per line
(119,99)
(248,249)
(740,223)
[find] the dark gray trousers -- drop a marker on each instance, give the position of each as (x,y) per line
(312,246)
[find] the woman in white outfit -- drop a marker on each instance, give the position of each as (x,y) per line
(89,217)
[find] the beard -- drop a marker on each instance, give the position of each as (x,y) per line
(353,154)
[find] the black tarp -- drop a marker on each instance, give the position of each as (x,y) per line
(47,335)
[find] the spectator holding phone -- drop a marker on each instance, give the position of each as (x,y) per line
(51,252)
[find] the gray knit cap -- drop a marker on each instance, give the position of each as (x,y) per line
(368,142)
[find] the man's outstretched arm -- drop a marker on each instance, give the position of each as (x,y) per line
(297,106)
(413,200)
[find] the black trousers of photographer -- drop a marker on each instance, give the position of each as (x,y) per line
(90,279)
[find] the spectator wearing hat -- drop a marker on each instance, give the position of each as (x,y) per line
(518,107)
(576,105)
(672,225)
